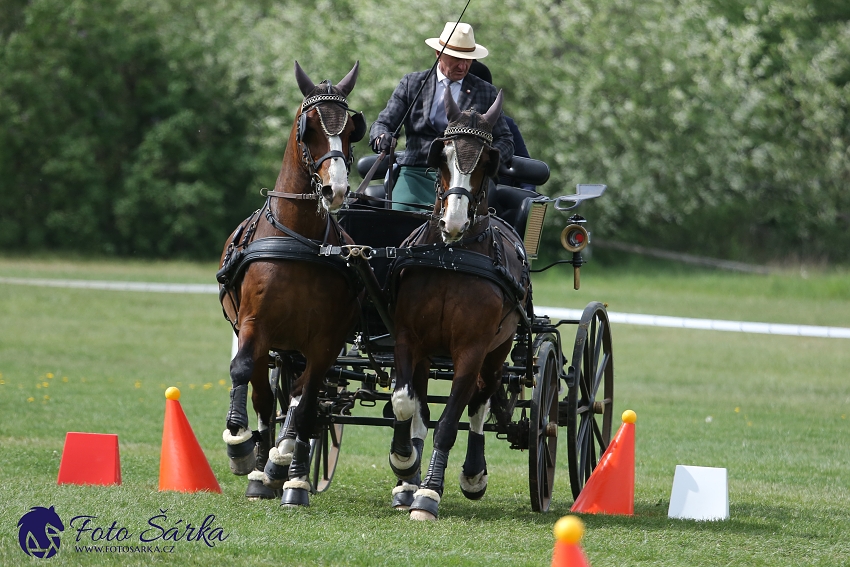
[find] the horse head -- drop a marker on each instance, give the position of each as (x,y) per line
(465,160)
(325,129)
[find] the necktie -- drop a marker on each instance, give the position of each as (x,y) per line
(438,107)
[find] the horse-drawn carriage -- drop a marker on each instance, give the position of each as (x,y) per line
(364,305)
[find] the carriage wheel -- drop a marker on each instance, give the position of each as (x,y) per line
(543,426)
(591,396)
(324,454)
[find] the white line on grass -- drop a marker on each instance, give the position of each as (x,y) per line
(552,312)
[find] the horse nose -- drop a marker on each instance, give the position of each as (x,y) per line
(328,193)
(453,232)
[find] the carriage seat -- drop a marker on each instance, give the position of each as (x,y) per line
(512,204)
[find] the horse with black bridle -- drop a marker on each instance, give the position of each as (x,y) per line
(461,289)
(280,290)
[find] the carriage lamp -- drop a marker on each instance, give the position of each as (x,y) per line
(574,238)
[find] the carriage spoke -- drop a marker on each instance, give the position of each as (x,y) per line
(600,371)
(597,345)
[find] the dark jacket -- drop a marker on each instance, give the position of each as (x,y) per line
(419,132)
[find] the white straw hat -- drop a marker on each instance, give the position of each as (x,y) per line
(461,44)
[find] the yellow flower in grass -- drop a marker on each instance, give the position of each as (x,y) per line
(30,399)
(138,384)
(49,375)
(65,379)
(222,382)
(207,386)
(45,384)
(46,398)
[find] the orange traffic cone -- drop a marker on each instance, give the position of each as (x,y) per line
(90,458)
(182,464)
(568,531)
(611,487)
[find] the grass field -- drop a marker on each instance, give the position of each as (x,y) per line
(773,410)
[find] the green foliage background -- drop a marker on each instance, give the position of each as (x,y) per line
(147,128)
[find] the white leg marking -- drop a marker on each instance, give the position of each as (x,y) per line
(418,429)
(476,421)
(404,404)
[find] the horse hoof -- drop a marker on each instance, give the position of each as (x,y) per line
(425,505)
(474,495)
(402,499)
(296,494)
(258,491)
(422,515)
(408,472)
(240,450)
(242,466)
(274,475)
(474,487)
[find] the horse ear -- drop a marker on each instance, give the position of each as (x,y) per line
(304,82)
(346,85)
(452,109)
(492,115)
(492,169)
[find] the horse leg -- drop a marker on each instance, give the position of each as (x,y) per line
(238,436)
(409,430)
(276,470)
(261,396)
(296,490)
(473,476)
(426,500)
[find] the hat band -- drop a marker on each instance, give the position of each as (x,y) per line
(456,48)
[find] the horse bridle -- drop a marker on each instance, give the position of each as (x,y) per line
(315,102)
(452,133)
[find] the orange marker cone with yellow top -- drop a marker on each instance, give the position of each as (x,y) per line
(568,553)
(611,487)
(182,464)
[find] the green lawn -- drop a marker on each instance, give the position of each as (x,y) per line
(773,410)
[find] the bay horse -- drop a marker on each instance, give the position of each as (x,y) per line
(461,290)
(279,293)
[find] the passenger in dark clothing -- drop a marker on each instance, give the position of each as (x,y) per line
(481,71)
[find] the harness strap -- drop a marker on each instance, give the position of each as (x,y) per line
(461,261)
(294,196)
(288,231)
(283,248)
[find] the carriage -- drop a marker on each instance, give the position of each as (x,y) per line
(559,373)
(544,387)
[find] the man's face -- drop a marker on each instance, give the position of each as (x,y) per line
(452,67)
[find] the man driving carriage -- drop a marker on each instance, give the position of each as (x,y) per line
(426,120)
